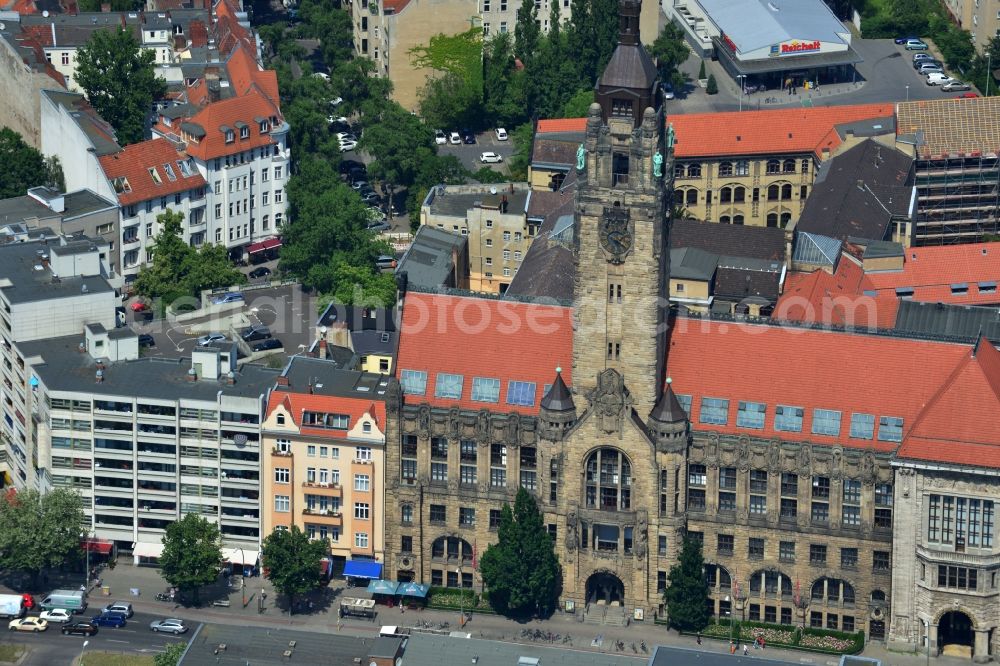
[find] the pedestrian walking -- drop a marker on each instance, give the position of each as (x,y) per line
(732,647)
(745,650)
(699,639)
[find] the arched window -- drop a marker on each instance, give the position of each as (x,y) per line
(679,195)
(805,166)
(724,219)
(772,219)
(770,583)
(692,197)
(694,171)
(678,170)
(738,219)
(773,166)
(773,192)
(725,195)
(608,480)
(725,168)
(717,577)
(785,219)
(786,192)
(788,166)
(834,591)
(739,194)
(452,548)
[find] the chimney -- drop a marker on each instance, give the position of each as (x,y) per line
(230,378)
(282,381)
(192,375)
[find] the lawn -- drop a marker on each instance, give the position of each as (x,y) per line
(10,653)
(115,659)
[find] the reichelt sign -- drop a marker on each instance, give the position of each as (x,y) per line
(795,47)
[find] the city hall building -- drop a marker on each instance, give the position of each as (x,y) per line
(769,42)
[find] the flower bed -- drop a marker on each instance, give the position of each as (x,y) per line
(450,598)
(779,635)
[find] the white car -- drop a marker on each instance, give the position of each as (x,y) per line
(28,624)
(56,615)
(936,79)
(439,138)
(336,101)
(501,134)
(489,157)
(211,339)
(322,75)
(332,119)
(346,136)
(455,138)
(347,146)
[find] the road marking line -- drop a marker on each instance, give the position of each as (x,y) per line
(112,640)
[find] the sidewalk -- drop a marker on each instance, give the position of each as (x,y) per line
(324,618)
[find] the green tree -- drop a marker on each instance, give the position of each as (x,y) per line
(522,137)
(292,562)
(118,78)
(355,285)
(521,572)
(179,270)
(578,105)
(171,656)
(454,97)
(526,32)
(503,86)
(448,101)
(116,5)
(670,52)
(687,595)
(712,87)
(399,144)
(192,553)
(24,167)
(436,170)
(39,531)
(701,70)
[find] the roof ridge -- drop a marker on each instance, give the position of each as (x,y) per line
(940,392)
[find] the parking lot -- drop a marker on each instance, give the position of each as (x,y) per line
(468,154)
(286,310)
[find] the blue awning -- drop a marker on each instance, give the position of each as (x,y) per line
(413,590)
(363,569)
(383,587)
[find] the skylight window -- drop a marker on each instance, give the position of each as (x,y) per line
(121,185)
(959,288)
(788,419)
(414,382)
(184,166)
(485,389)
(890,429)
(521,393)
(685,401)
(826,422)
(751,415)
(155,175)
(987,287)
(862,426)
(170,172)
(714,411)
(448,386)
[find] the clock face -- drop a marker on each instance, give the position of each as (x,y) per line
(616,237)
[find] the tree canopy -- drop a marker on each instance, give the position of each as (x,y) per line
(24,167)
(39,531)
(687,595)
(521,572)
(192,553)
(179,270)
(292,560)
(118,78)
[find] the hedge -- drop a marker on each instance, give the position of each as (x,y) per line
(782,635)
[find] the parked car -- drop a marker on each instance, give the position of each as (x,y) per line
(210,339)
(923,55)
(267,345)
(34,624)
(322,75)
(501,134)
(358,184)
(347,166)
(928,68)
(138,306)
(337,101)
(379,227)
(489,157)
(386,261)
(469,137)
(935,79)
(79,629)
(123,607)
(115,620)
(146,340)
(346,136)
(903,40)
(439,138)
(968,95)
(255,333)
(169,625)
(57,615)
(259,272)
(955,86)
(348,146)
(668,91)
(455,138)
(915,45)
(927,62)
(228,297)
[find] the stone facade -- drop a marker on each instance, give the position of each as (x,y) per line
(942,535)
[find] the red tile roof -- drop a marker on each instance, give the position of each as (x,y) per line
(796,130)
(837,299)
(959,426)
(227,29)
(296,403)
(479,337)
(931,271)
(198,33)
(562,125)
(226,113)
(808,368)
(134,163)
(245,73)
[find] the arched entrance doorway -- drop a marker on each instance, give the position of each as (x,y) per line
(604,587)
(955,635)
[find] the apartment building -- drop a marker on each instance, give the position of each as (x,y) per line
(981,19)
(495,220)
(956,168)
(47,289)
(324,457)
(149,179)
(145,441)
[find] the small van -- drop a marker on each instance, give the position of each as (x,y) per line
(74,601)
(938,79)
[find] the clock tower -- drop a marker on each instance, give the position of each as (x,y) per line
(623,200)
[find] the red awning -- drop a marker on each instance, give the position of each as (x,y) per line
(96,546)
(268,244)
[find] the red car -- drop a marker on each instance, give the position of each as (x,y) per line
(969,95)
(139,306)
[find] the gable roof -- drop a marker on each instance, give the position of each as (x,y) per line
(959,425)
(226,114)
(939,273)
(481,337)
(859,192)
(135,161)
(245,73)
(806,368)
(795,130)
(734,240)
(837,300)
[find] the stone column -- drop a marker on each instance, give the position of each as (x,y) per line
(932,639)
(981,647)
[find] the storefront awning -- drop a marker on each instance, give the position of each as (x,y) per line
(99,546)
(789,63)
(268,244)
(142,549)
(239,556)
(413,590)
(383,587)
(363,569)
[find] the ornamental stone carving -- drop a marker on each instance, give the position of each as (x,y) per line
(805,460)
(513,434)
(837,463)
(609,400)
(774,456)
(641,530)
(572,541)
(869,469)
(712,450)
(483,426)
(424,420)
(743,454)
(454,423)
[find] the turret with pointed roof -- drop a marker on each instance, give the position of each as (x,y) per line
(629,81)
(558,411)
(668,421)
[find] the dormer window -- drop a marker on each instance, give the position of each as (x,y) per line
(170,172)
(245,132)
(155,176)
(264,127)
(230,136)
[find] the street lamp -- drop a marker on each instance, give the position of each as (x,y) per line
(82,650)
(741,79)
(907,93)
(85,536)
(243,581)
(730,614)
(461,597)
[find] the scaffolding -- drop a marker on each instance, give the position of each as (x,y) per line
(958,197)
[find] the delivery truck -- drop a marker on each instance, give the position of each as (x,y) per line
(12,605)
(74,601)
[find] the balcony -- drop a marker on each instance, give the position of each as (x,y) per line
(275,451)
(323,516)
(327,489)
